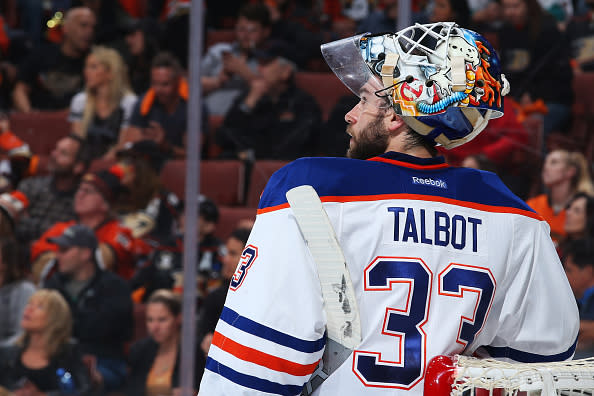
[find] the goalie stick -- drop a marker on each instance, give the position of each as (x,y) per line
(342,314)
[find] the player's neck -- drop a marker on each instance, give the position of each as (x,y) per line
(399,144)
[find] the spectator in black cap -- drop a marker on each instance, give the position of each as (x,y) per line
(100,303)
(273,119)
(93,205)
(146,207)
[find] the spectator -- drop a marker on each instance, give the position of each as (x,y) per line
(450,11)
(99,301)
(103,109)
(52,75)
(580,32)
(7,68)
(11,207)
(579,217)
(273,119)
(485,14)
(20,163)
(164,268)
(506,143)
(214,302)
(161,113)
(538,62)
(155,361)
(479,161)
(146,208)
(51,196)
(93,208)
(288,29)
(579,267)
(228,68)
(384,19)
(563,174)
(44,352)
(500,142)
(110,17)
(209,260)
(15,291)
(139,51)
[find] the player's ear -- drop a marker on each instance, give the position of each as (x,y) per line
(393,121)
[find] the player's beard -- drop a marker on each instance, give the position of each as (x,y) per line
(370,142)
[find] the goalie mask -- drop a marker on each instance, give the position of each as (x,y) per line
(445,81)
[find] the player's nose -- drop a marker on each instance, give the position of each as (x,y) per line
(352,116)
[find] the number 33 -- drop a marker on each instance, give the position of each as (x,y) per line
(407,324)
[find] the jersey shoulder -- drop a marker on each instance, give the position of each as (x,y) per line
(349,179)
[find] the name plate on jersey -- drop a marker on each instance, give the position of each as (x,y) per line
(436,226)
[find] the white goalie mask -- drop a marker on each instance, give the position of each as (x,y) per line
(445,81)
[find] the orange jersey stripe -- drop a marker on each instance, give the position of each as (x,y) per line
(418,197)
(263,359)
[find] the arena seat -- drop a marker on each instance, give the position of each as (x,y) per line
(40,129)
(229,218)
(222,181)
(326,88)
(261,172)
(101,164)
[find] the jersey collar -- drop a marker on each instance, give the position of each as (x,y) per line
(392,157)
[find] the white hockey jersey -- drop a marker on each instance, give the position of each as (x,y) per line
(443,261)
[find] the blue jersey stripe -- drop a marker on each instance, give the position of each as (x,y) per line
(526,357)
(270,334)
(250,381)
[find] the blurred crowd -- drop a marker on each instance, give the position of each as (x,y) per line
(91,248)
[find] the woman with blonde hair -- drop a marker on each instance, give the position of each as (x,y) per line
(103,109)
(44,361)
(564,174)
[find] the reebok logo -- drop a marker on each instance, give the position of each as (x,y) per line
(429,182)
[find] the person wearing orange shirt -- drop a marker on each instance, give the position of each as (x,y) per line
(564,174)
(93,207)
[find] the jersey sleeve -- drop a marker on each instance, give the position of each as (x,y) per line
(538,320)
(270,335)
